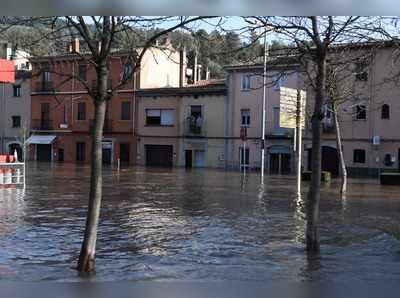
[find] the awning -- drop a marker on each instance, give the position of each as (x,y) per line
(41,139)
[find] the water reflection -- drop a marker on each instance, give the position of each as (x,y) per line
(198,225)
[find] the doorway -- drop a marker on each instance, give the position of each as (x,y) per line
(159,155)
(329,160)
(43,152)
(199,158)
(107,152)
(61,154)
(280,163)
(188,158)
(124,152)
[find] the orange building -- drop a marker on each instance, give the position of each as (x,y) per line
(62,111)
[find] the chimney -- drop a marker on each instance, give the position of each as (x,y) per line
(182,67)
(74,46)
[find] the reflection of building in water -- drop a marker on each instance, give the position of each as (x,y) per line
(12,209)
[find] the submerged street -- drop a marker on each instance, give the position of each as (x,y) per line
(202,225)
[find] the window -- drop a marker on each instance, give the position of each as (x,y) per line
(82,72)
(361,112)
(244,156)
(16,121)
(80,151)
(127,74)
(160,117)
(277,112)
(388,160)
(46,76)
(17,90)
(126,110)
(385,112)
(359,156)
(280,82)
(361,70)
(245,114)
(81,111)
(246,82)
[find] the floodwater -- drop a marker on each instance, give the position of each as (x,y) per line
(198,225)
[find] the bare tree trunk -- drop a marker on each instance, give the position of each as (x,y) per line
(343,173)
(87,255)
(312,210)
(86,262)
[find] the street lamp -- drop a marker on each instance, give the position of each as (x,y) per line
(263,106)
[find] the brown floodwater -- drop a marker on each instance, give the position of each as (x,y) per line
(197,225)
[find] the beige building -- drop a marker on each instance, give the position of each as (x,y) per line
(244,110)
(367,116)
(181,126)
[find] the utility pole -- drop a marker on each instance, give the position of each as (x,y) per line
(263,107)
(298,136)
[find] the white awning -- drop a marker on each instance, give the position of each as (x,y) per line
(41,139)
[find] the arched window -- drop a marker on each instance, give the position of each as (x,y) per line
(385,111)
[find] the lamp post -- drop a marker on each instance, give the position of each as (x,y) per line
(263,107)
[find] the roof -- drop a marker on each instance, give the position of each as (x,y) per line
(209,87)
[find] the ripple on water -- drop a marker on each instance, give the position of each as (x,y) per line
(194,225)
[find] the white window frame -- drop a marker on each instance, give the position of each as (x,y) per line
(246,82)
(245,113)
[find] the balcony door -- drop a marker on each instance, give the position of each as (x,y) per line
(45,115)
(195,119)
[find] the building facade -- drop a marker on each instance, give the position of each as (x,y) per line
(63,112)
(244,112)
(182,126)
(15,106)
(367,117)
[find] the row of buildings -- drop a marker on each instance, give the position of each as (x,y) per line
(161,120)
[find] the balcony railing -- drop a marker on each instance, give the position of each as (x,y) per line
(107,128)
(328,127)
(194,127)
(42,124)
(95,82)
(44,86)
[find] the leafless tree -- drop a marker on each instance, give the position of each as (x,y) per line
(312,39)
(99,36)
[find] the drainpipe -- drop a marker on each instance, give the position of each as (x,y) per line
(195,69)
(181,67)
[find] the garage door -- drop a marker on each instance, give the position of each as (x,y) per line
(159,155)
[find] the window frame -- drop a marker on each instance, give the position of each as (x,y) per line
(385,112)
(359,159)
(245,83)
(79,112)
(123,111)
(15,88)
(80,156)
(357,112)
(160,123)
(14,122)
(84,77)
(245,119)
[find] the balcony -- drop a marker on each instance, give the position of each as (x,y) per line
(328,127)
(42,124)
(44,86)
(93,85)
(194,127)
(107,128)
